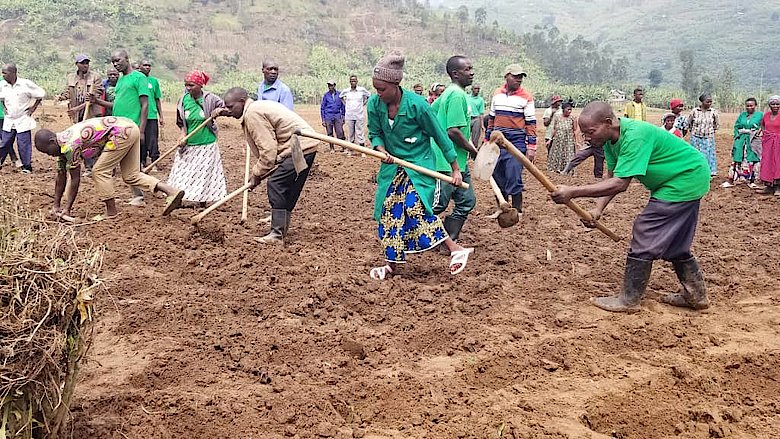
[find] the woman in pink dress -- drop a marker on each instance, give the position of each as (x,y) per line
(770,154)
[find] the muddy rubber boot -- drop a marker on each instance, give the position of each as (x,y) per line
(693,293)
(279,223)
(517,202)
(634,284)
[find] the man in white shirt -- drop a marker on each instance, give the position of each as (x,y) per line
(20,98)
(355,99)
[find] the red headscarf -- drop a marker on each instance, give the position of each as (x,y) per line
(197,77)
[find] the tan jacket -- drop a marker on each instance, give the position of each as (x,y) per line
(76,91)
(269,128)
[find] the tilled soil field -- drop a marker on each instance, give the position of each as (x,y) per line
(207,334)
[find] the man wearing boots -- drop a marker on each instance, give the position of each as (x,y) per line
(283,157)
(452,112)
(677,176)
(512,112)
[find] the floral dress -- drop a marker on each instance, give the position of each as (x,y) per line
(562,149)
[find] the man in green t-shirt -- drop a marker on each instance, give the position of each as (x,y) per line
(677,176)
(476,110)
(131,100)
(452,112)
(150,148)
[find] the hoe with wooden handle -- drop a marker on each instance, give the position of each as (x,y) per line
(499,138)
(509,216)
(377,154)
(182,141)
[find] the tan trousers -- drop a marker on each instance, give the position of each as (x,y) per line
(128,156)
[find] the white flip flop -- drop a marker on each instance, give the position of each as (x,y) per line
(460,257)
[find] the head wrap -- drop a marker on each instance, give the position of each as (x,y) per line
(773,98)
(197,77)
(390,68)
(704,97)
(675,102)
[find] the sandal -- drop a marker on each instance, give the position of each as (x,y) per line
(459,257)
(380,273)
(172,203)
(767,190)
(102,217)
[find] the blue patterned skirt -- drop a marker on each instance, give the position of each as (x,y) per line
(404,226)
(706,145)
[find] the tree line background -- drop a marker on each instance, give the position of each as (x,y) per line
(318,40)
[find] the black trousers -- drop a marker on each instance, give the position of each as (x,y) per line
(285,186)
(150,147)
(665,230)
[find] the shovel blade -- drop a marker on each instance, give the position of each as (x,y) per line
(486,161)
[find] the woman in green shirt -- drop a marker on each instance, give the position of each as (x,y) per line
(401,124)
(197,167)
(746,151)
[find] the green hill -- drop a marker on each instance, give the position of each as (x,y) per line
(313,40)
(742,34)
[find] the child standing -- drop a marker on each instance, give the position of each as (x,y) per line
(669,124)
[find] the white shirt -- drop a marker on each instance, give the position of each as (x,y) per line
(354,101)
(18,98)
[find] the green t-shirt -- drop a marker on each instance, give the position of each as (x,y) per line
(154,94)
(476,105)
(2,114)
(669,167)
(452,111)
(194,114)
(128,90)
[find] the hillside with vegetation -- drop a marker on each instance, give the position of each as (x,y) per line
(739,35)
(313,41)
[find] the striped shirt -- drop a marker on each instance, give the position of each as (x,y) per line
(513,114)
(703,123)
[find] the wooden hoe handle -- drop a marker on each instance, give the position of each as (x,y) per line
(196,219)
(499,138)
(377,154)
(181,141)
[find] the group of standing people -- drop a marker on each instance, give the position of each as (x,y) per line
(757,145)
(347,105)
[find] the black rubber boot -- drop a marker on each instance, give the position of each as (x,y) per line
(635,280)
(693,293)
(517,202)
(279,223)
(453,227)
